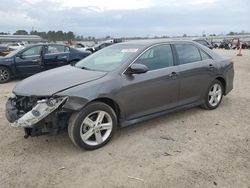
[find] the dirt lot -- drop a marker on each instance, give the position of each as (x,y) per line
(192,148)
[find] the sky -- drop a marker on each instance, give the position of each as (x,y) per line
(126,18)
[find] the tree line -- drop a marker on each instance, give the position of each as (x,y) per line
(53,35)
(69,36)
(50,35)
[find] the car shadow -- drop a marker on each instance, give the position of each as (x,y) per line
(62,142)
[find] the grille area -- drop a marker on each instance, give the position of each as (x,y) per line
(25,104)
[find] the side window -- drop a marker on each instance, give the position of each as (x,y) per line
(187,53)
(53,49)
(33,51)
(204,56)
(148,54)
(157,57)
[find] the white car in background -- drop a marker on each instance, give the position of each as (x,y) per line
(16,46)
(80,46)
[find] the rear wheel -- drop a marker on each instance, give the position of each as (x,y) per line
(214,95)
(92,127)
(4,75)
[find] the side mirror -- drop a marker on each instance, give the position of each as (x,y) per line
(137,69)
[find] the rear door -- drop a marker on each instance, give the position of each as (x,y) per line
(155,90)
(196,72)
(29,61)
(56,56)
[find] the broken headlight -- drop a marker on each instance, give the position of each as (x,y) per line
(42,109)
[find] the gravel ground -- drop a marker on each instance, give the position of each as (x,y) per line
(191,148)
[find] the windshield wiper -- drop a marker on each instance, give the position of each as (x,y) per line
(85,68)
(81,67)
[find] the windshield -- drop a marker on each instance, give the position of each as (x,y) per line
(109,58)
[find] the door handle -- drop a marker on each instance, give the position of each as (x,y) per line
(64,57)
(35,61)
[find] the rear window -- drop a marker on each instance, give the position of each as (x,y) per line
(56,49)
(187,53)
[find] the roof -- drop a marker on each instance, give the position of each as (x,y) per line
(148,42)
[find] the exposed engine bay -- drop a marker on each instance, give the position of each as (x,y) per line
(37,115)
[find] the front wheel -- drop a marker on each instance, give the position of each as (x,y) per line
(92,127)
(214,95)
(4,75)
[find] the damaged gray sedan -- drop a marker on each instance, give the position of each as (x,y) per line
(118,86)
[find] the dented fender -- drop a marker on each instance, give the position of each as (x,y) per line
(75,103)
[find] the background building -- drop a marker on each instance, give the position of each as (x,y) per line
(21,38)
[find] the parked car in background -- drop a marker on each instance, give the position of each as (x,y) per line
(117,86)
(81,47)
(215,44)
(16,46)
(99,46)
(204,42)
(225,44)
(246,45)
(5,50)
(36,58)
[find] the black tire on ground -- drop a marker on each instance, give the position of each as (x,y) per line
(76,119)
(5,75)
(206,104)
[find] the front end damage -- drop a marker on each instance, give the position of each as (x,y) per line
(37,115)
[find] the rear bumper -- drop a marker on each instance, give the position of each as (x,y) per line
(229,79)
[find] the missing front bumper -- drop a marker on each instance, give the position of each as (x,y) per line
(41,110)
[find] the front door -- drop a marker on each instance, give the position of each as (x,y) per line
(155,90)
(29,62)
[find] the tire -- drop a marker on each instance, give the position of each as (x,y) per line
(213,96)
(5,75)
(99,127)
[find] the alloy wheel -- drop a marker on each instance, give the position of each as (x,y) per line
(96,128)
(4,75)
(215,95)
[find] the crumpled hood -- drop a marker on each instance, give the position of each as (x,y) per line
(50,82)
